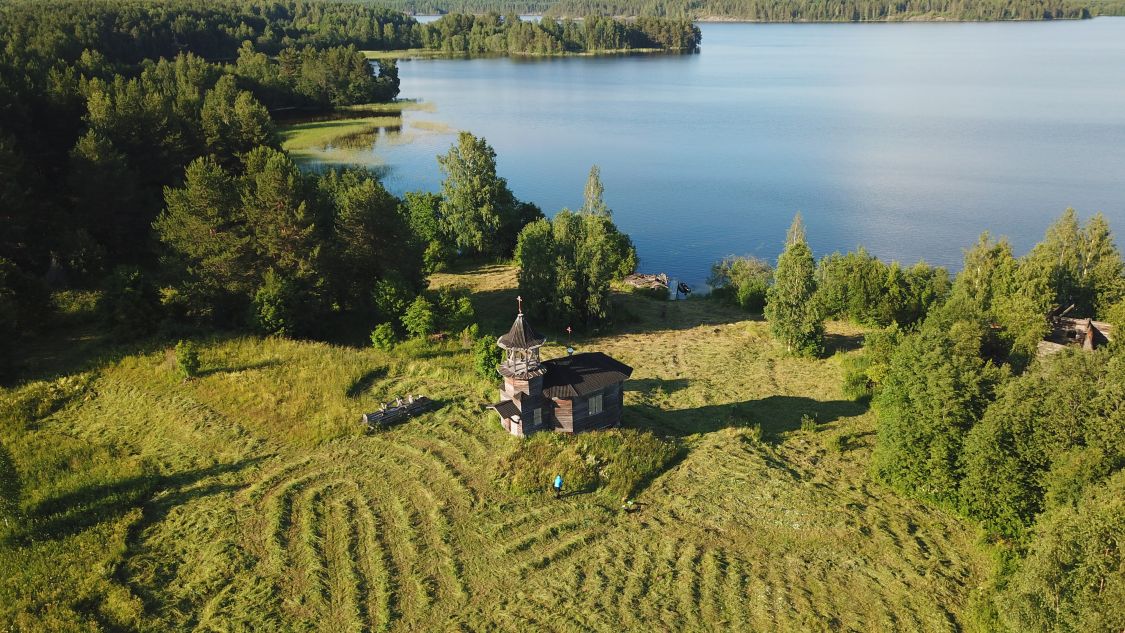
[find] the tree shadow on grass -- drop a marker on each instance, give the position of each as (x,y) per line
(365,382)
(773,414)
(834,343)
(231,369)
(66,351)
(73,512)
(646,385)
(633,314)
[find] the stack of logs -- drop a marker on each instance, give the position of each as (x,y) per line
(641,280)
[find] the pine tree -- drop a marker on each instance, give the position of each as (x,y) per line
(233,121)
(208,247)
(791,308)
(106,194)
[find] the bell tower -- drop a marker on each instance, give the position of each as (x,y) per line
(523,375)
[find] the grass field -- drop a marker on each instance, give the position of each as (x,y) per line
(249,499)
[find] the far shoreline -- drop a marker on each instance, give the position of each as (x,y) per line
(732,20)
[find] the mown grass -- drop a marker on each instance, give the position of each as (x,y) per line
(249,498)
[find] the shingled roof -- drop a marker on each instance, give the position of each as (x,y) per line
(582,374)
(506,409)
(521,336)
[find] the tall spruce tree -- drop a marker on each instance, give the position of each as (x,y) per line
(791,308)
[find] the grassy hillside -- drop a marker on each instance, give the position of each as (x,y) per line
(250,499)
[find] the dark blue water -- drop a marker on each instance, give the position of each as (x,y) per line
(909,139)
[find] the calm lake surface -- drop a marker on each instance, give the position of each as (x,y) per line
(910,139)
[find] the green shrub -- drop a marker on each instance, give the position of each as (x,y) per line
(469,336)
(438,256)
(743,281)
(130,305)
(616,462)
(486,356)
(187,359)
(860,287)
(454,310)
(390,297)
(792,310)
(864,372)
(419,318)
(755,433)
(567,266)
(383,336)
(838,443)
(808,422)
(277,305)
(1115,315)
(1049,435)
(857,385)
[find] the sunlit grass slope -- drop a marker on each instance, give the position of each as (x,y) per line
(249,499)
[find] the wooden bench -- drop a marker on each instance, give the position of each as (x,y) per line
(399,411)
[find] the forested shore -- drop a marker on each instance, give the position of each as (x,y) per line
(784,11)
(141,157)
(840,11)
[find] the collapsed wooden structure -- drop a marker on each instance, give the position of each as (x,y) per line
(1072,332)
(398,411)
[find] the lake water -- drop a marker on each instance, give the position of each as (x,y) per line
(909,139)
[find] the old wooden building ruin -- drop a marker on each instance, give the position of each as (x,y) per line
(575,393)
(1071,332)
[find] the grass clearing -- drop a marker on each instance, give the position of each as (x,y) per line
(394,107)
(348,135)
(317,136)
(249,499)
(407,53)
